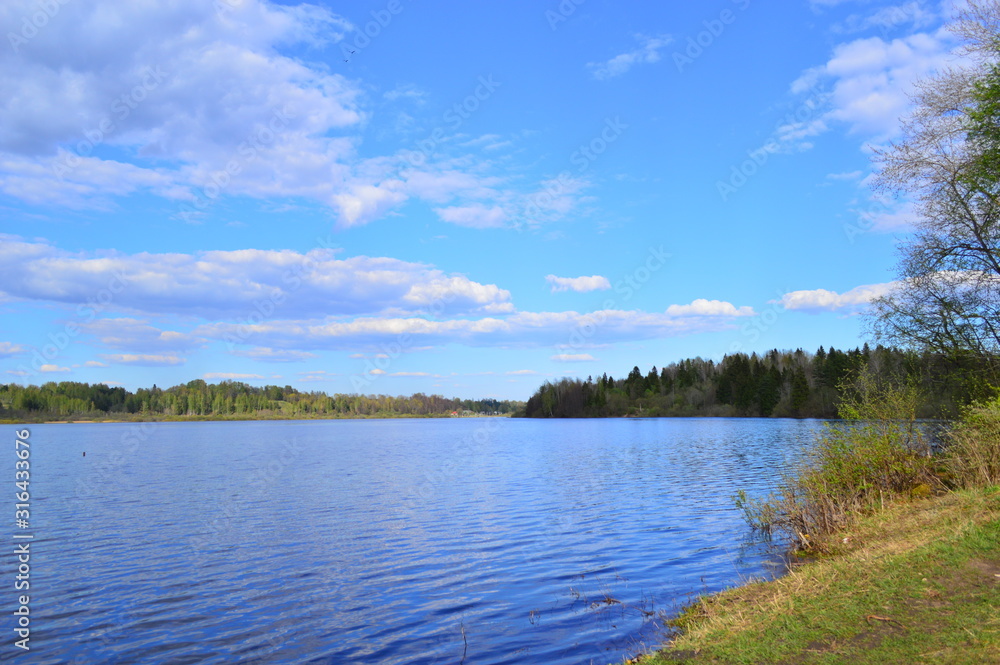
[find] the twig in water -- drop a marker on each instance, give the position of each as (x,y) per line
(466,651)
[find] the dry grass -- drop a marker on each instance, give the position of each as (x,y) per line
(847,602)
(876,455)
(973,456)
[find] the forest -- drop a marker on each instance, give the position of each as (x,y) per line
(69,400)
(783,384)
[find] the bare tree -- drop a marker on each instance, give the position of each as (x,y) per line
(948,162)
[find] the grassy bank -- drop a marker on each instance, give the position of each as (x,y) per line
(906,548)
(916,583)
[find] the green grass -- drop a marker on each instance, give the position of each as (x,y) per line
(917,583)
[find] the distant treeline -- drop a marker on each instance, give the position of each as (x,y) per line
(786,384)
(229,399)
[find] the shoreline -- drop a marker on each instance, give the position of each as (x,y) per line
(384,416)
(207,419)
(919,582)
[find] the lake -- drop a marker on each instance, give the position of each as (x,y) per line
(482,541)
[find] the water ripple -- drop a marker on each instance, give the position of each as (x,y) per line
(388,541)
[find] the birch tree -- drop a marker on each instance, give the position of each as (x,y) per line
(948,161)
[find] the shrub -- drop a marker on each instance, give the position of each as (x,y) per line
(972,455)
(875,455)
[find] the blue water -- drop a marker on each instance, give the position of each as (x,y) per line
(383,541)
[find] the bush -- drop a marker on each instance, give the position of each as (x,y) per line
(972,455)
(875,455)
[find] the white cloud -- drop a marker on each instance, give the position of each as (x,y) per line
(362,203)
(229,376)
(268,355)
(887,216)
(520,372)
(286,306)
(555,199)
(822,300)
(475,216)
(482,140)
(316,375)
(242,284)
(517,329)
(886,19)
(180,89)
(703,307)
(136,335)
(52,369)
(438,294)
(866,84)
(578,284)
(143,359)
(195,105)
(408,92)
(852,175)
(94,363)
(647,53)
(573,358)
(8,349)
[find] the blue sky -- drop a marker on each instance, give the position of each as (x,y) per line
(458,198)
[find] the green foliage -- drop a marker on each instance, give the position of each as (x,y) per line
(779,384)
(68,400)
(984,129)
(876,455)
(973,453)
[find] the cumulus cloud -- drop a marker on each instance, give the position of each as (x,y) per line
(438,294)
(823,300)
(578,284)
(886,19)
(476,216)
(848,176)
(648,52)
(8,349)
(886,216)
(195,105)
(573,358)
(53,369)
(158,102)
(703,307)
(268,355)
(865,85)
(242,284)
(873,78)
(316,375)
(143,359)
(286,306)
(361,202)
(137,335)
(517,329)
(555,199)
(229,376)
